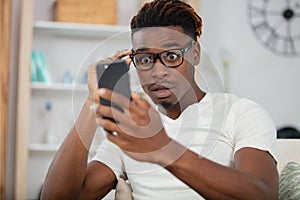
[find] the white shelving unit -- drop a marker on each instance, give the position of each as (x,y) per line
(41,147)
(67,47)
(65,87)
(80,29)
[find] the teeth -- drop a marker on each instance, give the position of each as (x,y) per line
(161,90)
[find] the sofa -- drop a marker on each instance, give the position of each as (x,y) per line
(287,152)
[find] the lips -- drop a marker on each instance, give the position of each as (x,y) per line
(160,91)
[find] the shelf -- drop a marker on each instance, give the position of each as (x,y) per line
(80,29)
(43,147)
(58,87)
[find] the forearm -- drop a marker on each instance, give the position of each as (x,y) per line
(214,181)
(67,171)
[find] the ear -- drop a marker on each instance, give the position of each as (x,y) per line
(196,53)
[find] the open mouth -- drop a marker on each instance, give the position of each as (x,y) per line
(161,91)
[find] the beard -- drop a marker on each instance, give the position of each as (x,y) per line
(166,105)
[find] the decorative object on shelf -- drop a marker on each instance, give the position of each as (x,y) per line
(91,11)
(67,77)
(49,136)
(33,70)
(39,69)
(85,78)
(276,24)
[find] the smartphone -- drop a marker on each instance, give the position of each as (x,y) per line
(114,76)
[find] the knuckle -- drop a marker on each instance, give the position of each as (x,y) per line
(143,114)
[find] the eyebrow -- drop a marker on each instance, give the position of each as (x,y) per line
(166,45)
(142,49)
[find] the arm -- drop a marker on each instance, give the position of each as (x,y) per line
(254,176)
(69,176)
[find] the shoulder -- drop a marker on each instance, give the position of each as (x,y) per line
(234,104)
(243,117)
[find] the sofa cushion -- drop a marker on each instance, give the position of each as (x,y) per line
(289,182)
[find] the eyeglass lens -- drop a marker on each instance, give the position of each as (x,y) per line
(170,58)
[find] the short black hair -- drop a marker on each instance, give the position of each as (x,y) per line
(168,13)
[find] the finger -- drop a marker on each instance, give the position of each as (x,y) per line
(97,96)
(108,112)
(119,138)
(114,97)
(128,61)
(138,108)
(107,124)
(112,128)
(92,79)
(140,101)
(114,138)
(122,53)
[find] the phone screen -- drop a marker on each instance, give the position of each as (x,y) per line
(114,76)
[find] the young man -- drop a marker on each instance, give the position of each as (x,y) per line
(193,145)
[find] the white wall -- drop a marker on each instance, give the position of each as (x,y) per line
(255,72)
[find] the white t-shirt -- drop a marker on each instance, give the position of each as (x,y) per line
(215,128)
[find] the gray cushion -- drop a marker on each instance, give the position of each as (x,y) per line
(123,190)
(289,182)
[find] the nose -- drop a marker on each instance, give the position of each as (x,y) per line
(159,71)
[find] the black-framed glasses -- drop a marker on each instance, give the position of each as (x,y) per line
(169,58)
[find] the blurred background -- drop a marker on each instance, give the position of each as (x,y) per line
(249,47)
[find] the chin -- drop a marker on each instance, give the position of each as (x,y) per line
(166,105)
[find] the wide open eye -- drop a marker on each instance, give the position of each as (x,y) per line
(143,59)
(171,57)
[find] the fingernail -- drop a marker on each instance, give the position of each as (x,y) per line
(135,95)
(115,133)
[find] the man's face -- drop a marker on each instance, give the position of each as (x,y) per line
(166,86)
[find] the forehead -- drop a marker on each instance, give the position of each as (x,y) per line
(159,37)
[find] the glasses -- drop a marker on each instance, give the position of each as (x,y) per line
(169,58)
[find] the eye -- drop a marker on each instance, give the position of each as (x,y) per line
(171,56)
(144,58)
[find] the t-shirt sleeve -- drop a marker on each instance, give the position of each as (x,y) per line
(110,155)
(254,128)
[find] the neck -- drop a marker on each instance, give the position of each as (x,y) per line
(193,95)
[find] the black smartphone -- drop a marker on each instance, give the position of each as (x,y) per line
(114,76)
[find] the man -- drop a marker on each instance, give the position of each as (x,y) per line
(193,145)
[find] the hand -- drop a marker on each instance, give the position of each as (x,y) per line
(92,74)
(138,131)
